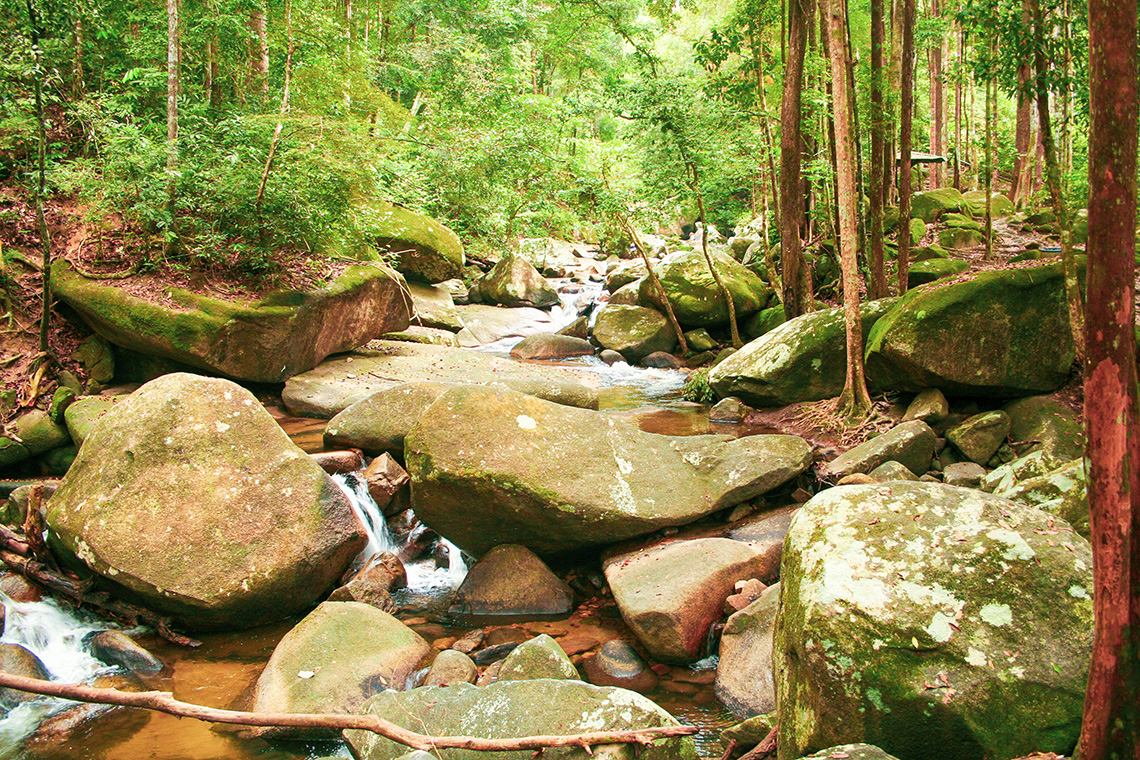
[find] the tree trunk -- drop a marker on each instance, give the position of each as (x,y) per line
(877,286)
(796,296)
(173,59)
(934,57)
(769,145)
(1019,190)
(906,116)
(1073,295)
(854,401)
(990,105)
(655,281)
(259,60)
(1111,727)
(273,143)
(734,330)
(958,102)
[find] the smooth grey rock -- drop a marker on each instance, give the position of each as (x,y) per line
(979,436)
(909,443)
(511,583)
(964,474)
(745,675)
(451,667)
(540,657)
(930,406)
(892,470)
(617,663)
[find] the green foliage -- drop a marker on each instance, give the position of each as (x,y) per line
(697,387)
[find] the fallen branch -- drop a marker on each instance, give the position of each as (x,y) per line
(165,702)
(81,593)
(765,748)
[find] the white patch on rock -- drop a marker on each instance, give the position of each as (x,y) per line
(1018,548)
(526,422)
(941,628)
(221,427)
(997,614)
(976,657)
(1078,592)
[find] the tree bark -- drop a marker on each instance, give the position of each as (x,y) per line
(1111,727)
(877,286)
(854,401)
(275,140)
(990,105)
(796,296)
(734,330)
(173,83)
(655,281)
(906,116)
(937,144)
(41,155)
(259,59)
(1073,295)
(1019,189)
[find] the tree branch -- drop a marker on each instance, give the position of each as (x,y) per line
(165,702)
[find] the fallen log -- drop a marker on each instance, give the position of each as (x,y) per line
(165,702)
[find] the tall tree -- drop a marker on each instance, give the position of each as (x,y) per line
(1111,727)
(934,58)
(796,280)
(173,84)
(877,285)
(1020,188)
(854,401)
(906,119)
(38,192)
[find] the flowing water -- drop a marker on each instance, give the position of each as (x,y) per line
(222,671)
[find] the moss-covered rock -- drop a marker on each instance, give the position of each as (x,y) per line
(82,415)
(285,333)
(764,322)
(745,673)
(999,333)
(804,359)
(1000,205)
(543,706)
(491,467)
(191,497)
(694,294)
(31,434)
(960,238)
(514,281)
(434,306)
(978,437)
(933,269)
(635,332)
(98,359)
(425,250)
(510,583)
(540,657)
(917,231)
(341,654)
(1062,491)
(928,205)
(932,621)
(1042,424)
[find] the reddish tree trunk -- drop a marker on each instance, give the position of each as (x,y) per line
(1018,190)
(937,146)
(1112,702)
(791,178)
(877,287)
(906,118)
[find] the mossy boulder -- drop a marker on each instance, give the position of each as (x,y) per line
(434,306)
(97,358)
(31,434)
(378,423)
(635,332)
(694,294)
(764,321)
(960,238)
(514,281)
(1000,205)
(978,437)
(338,656)
(1042,424)
(932,621)
(283,334)
(917,231)
(81,416)
(1062,491)
(999,333)
(491,467)
(804,359)
(928,205)
(510,583)
(540,657)
(543,706)
(933,269)
(425,249)
(189,496)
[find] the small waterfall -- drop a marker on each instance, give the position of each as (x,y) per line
(355,488)
(425,575)
(456,567)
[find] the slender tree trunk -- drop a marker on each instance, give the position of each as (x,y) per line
(854,401)
(769,145)
(41,154)
(655,281)
(877,285)
(937,144)
(275,140)
(173,83)
(1019,191)
(734,330)
(1073,294)
(796,296)
(1111,727)
(991,87)
(958,102)
(77,83)
(906,116)
(259,63)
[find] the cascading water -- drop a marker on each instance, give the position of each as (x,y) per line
(379,537)
(55,635)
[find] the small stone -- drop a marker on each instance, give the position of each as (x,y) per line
(540,657)
(339,462)
(505,635)
(385,478)
(930,406)
(451,666)
(979,437)
(854,479)
(573,645)
(661,360)
(611,357)
(116,648)
(700,340)
(469,642)
(617,663)
(892,471)
(729,409)
(964,474)
(746,593)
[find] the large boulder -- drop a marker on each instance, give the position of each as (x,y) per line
(509,584)
(929,205)
(551,346)
(378,423)
(285,333)
(670,594)
(999,333)
(487,324)
(342,381)
(745,673)
(493,467)
(804,359)
(934,622)
(544,706)
(694,295)
(425,249)
(1042,424)
(635,332)
(191,497)
(434,307)
(32,433)
(514,281)
(338,656)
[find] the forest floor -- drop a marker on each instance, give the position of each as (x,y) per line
(115,247)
